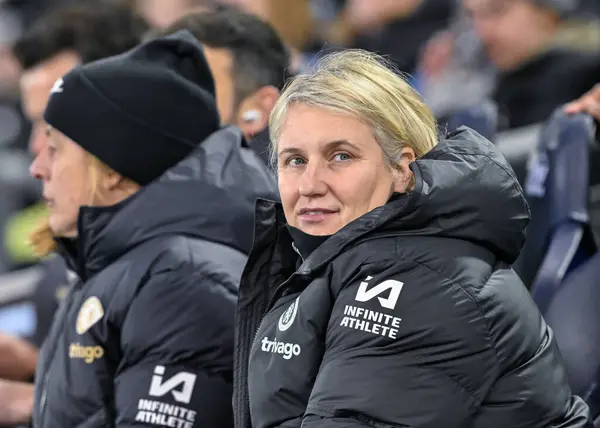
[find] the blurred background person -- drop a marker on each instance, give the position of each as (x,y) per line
(542,62)
(51,47)
(529,56)
(454,73)
(16,189)
(250,64)
(292,19)
(56,43)
(48,49)
(162,13)
(395,28)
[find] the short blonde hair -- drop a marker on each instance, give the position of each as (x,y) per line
(366,86)
(42,239)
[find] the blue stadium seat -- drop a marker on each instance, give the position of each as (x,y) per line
(557,189)
(574,316)
(482,118)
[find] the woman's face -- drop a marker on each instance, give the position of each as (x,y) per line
(63,168)
(331,170)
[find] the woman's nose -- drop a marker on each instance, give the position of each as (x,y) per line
(311,182)
(39,168)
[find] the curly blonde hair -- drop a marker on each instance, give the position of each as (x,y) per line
(42,239)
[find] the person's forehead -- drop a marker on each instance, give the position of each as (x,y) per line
(305,124)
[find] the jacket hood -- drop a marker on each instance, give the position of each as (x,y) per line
(464,189)
(209,195)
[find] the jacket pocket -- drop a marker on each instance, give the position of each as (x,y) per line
(349,418)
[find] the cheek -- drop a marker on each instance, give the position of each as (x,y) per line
(357,183)
(71,184)
(288,190)
(364,188)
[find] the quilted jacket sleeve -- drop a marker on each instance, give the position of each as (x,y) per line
(406,347)
(177,342)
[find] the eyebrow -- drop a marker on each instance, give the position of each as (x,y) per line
(330,145)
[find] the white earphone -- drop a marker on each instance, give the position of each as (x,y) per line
(251,116)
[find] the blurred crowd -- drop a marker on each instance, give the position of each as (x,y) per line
(526,57)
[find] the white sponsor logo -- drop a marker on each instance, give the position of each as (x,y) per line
(370,321)
(395,287)
(287,318)
(57,87)
(287,350)
(152,412)
(158,388)
(90,313)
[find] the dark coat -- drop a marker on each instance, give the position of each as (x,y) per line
(410,316)
(146,337)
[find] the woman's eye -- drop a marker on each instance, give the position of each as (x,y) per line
(51,150)
(342,157)
(295,161)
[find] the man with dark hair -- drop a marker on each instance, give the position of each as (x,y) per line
(76,34)
(250,66)
(50,48)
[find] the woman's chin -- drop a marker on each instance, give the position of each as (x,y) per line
(61,228)
(318,229)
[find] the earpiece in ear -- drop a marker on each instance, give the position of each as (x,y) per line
(251,116)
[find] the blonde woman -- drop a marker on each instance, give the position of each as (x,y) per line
(153,210)
(379,292)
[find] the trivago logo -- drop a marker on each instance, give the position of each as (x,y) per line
(287,350)
(86,353)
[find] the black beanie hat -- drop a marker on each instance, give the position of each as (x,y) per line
(140,112)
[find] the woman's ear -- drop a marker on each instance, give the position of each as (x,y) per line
(111,180)
(403,175)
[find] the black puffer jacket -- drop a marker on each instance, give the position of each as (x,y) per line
(146,337)
(410,316)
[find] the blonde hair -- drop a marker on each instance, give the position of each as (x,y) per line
(366,86)
(42,239)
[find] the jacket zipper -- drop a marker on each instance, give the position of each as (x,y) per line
(275,296)
(270,304)
(51,356)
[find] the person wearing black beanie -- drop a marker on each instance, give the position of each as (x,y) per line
(142,111)
(151,204)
